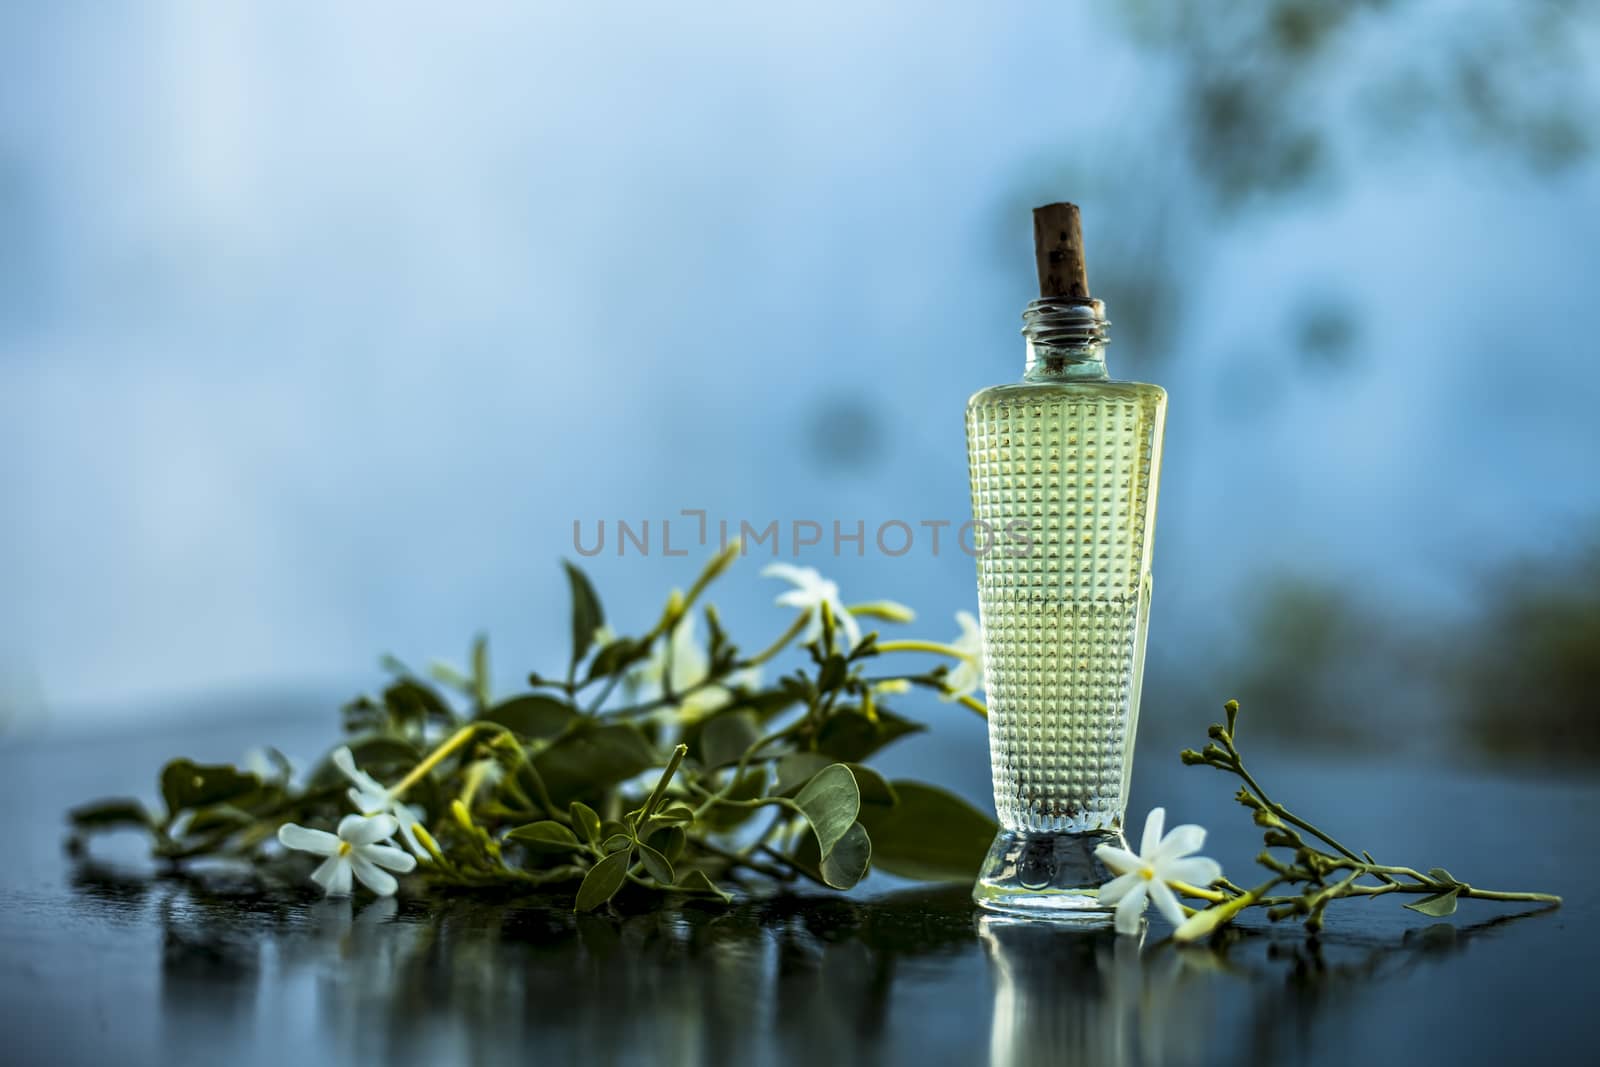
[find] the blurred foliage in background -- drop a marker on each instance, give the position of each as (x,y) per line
(240,274)
(1279,100)
(1512,679)
(1266,102)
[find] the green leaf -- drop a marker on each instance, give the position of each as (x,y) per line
(1439,874)
(669,842)
(796,769)
(584,817)
(830,802)
(218,817)
(363,715)
(675,813)
(616,843)
(587,616)
(833,673)
(724,739)
(697,881)
(589,759)
(186,784)
(480,671)
(846,865)
(768,702)
(659,866)
(603,881)
(545,836)
(412,703)
(875,789)
(929,835)
(850,737)
(617,656)
(1439,905)
(105,814)
(533,715)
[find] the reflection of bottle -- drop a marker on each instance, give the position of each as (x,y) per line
(1067,461)
(1061,996)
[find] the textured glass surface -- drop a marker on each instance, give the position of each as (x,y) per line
(1072,466)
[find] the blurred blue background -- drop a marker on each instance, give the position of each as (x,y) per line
(319,327)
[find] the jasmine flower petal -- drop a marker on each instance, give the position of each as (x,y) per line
(1149,875)
(1120,860)
(1131,909)
(367,829)
(1181,841)
(1154,826)
(304,839)
(1166,902)
(1119,887)
(372,876)
(333,876)
(1195,871)
(396,859)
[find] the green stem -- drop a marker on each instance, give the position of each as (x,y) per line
(922,646)
(605,691)
(976,705)
(661,783)
(1282,812)
(1203,922)
(739,859)
(1494,894)
(782,642)
(434,758)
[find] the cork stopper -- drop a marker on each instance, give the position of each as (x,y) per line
(1058,250)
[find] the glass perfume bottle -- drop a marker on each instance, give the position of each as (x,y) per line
(1066,462)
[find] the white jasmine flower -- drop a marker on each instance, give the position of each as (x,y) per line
(1161,861)
(371,798)
(967,677)
(681,660)
(811,590)
(356,850)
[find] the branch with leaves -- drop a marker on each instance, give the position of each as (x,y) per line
(1301,855)
(650,763)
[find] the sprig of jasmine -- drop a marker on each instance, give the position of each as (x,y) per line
(1301,854)
(651,762)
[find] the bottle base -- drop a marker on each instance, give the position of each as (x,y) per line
(1046,875)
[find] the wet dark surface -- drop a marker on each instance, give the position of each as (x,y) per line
(100,962)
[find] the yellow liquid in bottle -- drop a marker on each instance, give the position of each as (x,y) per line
(1069,470)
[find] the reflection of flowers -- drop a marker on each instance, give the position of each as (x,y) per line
(355,851)
(811,591)
(967,677)
(1162,860)
(371,798)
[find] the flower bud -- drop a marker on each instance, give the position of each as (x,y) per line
(1190,757)
(887,610)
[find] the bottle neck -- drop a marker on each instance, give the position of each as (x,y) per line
(1066,338)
